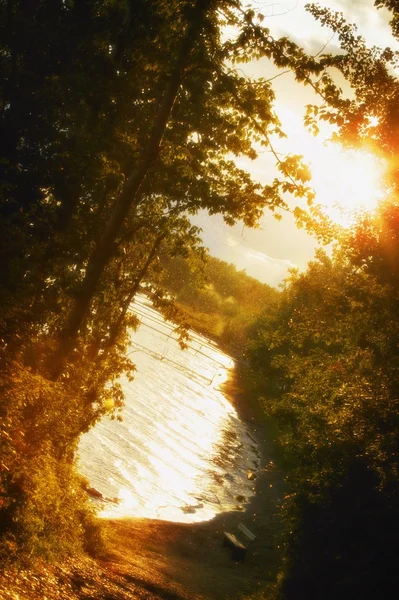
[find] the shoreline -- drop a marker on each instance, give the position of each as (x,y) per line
(149,559)
(188,559)
(268,475)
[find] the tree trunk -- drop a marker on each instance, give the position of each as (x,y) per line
(117,325)
(130,195)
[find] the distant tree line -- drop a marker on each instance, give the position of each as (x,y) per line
(217,298)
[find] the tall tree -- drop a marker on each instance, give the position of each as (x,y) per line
(118,121)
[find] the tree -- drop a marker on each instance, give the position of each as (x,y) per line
(325,362)
(133,115)
(224,301)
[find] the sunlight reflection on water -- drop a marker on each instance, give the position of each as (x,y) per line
(181,453)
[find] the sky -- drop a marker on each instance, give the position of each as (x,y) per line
(268,252)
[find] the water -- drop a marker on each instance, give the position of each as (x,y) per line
(181,453)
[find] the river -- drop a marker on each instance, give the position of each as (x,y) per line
(181,453)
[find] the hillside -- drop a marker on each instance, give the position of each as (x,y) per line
(218,299)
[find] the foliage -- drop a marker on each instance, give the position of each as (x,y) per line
(327,362)
(118,120)
(40,492)
(219,300)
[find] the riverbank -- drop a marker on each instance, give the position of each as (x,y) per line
(154,560)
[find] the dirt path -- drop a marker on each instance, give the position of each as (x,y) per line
(189,561)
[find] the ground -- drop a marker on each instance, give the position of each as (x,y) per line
(158,560)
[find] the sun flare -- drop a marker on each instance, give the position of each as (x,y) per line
(346,182)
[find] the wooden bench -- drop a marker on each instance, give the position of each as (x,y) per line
(239,550)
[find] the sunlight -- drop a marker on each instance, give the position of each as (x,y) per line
(346,182)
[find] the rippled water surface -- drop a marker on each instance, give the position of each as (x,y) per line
(181,453)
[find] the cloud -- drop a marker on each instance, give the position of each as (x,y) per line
(231,241)
(291,19)
(260,265)
(256,256)
(373,24)
(266,253)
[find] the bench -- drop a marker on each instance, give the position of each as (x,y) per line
(239,550)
